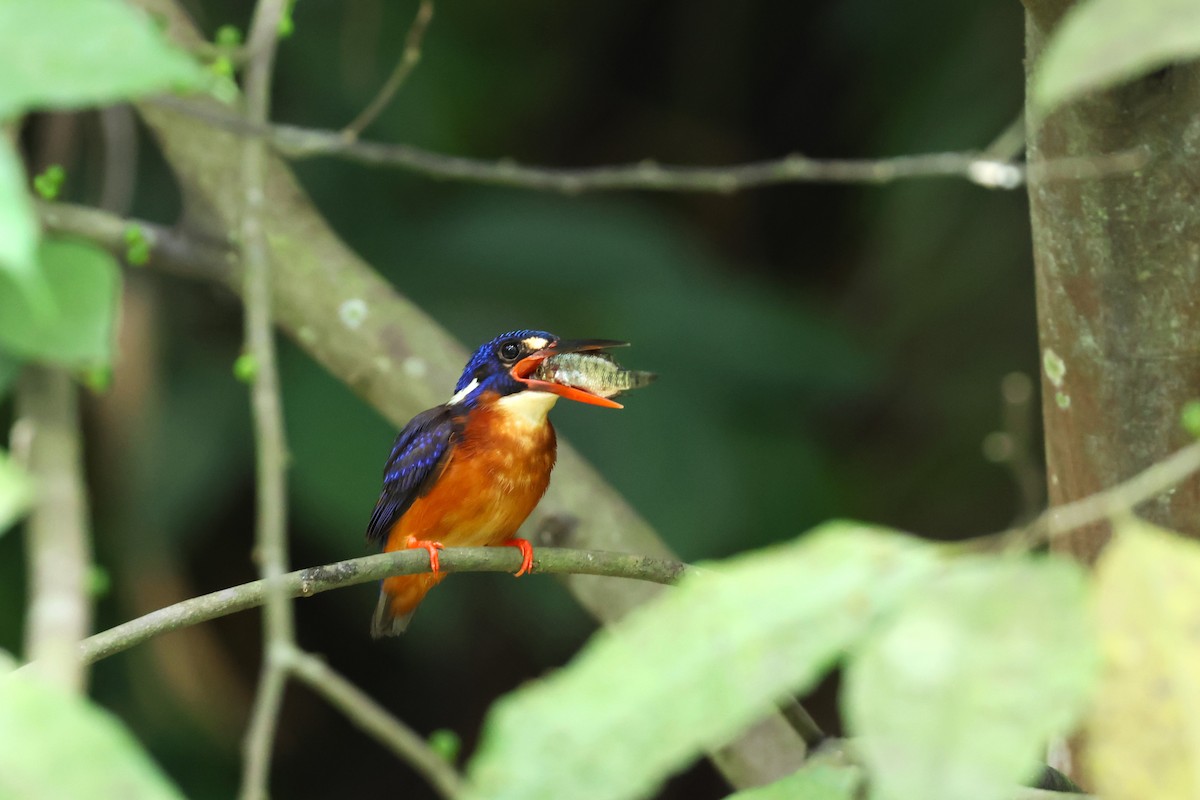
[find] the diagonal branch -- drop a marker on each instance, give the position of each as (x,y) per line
(364,712)
(314,580)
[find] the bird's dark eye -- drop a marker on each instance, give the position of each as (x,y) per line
(509,351)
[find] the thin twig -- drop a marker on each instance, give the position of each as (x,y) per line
(314,580)
(1122,498)
(1118,500)
(650,175)
(409,59)
(57,533)
(373,718)
(271,526)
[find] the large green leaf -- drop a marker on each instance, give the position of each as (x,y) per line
(54,745)
(18,228)
(958,694)
(71,53)
(687,673)
(16,492)
(1101,43)
(83,283)
(1144,735)
(816,781)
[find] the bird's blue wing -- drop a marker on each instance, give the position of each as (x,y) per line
(420,453)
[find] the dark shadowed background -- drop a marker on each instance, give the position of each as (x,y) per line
(823,350)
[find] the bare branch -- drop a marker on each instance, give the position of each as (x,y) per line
(373,718)
(314,580)
(650,175)
(409,59)
(271,527)
(170,249)
(58,533)
(1122,498)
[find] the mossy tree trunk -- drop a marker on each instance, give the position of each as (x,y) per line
(1118,287)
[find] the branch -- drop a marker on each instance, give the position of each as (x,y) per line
(1123,498)
(404,67)
(375,720)
(1120,499)
(58,535)
(314,580)
(650,175)
(271,527)
(173,250)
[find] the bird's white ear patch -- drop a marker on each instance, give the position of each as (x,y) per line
(535,343)
(463,393)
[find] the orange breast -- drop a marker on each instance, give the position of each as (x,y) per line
(497,473)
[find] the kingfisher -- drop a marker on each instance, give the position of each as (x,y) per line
(467,473)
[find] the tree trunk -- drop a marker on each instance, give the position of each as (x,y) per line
(1118,280)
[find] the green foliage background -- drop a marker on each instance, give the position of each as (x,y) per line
(824,351)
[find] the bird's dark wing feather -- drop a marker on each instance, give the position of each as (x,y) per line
(418,457)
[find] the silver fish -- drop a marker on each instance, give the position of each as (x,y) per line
(595,373)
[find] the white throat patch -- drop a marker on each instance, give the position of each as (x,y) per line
(463,393)
(526,407)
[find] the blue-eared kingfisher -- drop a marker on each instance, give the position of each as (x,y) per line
(467,473)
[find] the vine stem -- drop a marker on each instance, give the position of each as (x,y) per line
(271,449)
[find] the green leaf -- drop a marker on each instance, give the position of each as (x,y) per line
(72,53)
(688,672)
(958,694)
(49,184)
(16,492)
(1102,43)
(83,283)
(245,368)
(816,781)
(54,745)
(18,227)
(1143,738)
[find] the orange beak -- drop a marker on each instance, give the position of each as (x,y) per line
(525,367)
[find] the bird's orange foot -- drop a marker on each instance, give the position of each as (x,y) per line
(526,555)
(429,547)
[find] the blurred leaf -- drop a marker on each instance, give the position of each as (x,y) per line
(957,696)
(71,53)
(16,492)
(54,745)
(50,182)
(688,672)
(1143,740)
(83,282)
(18,227)
(816,781)
(1101,43)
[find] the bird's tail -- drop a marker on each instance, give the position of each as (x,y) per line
(398,601)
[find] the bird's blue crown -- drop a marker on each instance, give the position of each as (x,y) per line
(490,367)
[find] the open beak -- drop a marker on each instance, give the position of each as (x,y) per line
(526,366)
